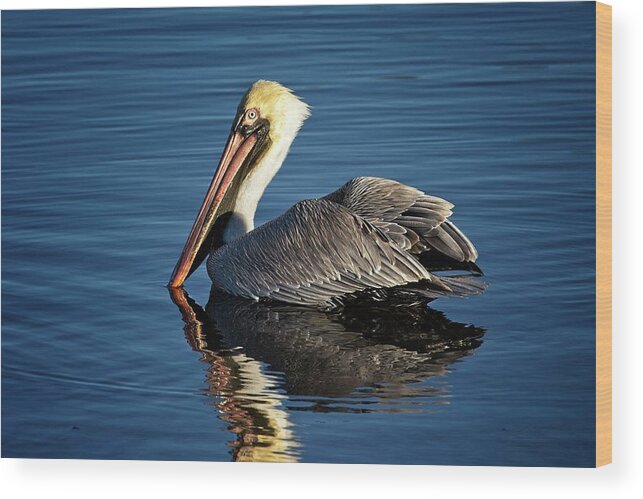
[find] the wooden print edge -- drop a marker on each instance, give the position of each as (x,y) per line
(603,234)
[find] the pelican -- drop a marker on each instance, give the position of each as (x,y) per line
(372,238)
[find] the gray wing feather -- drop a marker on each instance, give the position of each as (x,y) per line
(311,254)
(416,221)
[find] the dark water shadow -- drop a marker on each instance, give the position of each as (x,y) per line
(363,359)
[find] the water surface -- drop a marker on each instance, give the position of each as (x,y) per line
(112,123)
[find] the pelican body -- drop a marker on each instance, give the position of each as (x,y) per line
(371,238)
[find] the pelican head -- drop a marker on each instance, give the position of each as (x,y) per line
(270,104)
(265,125)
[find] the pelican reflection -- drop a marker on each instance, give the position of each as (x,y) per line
(266,360)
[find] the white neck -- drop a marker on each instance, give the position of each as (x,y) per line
(253,187)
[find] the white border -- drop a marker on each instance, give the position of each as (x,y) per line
(114,479)
(99,4)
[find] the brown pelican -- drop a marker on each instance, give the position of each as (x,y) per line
(371,236)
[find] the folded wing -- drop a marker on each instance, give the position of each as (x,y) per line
(417,221)
(368,235)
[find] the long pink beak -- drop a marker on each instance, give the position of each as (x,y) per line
(235,153)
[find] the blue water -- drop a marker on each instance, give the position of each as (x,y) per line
(112,124)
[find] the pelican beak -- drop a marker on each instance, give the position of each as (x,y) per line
(237,150)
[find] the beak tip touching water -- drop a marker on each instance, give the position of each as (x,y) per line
(178,276)
(174,282)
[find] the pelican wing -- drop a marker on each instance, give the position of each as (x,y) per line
(315,252)
(416,221)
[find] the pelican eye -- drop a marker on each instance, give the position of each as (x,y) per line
(252,114)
